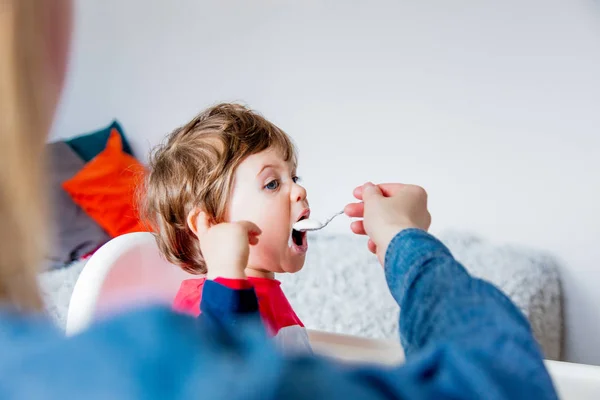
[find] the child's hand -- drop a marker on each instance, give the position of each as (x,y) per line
(226,246)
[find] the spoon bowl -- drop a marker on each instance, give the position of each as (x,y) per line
(309,225)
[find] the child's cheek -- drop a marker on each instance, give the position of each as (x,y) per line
(263,255)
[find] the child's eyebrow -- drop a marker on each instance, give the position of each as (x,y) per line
(293,167)
(266,166)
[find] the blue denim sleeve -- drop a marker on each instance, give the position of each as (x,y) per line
(459,328)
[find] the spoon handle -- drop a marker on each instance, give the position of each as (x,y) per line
(332,217)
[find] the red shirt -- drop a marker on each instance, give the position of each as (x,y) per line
(274,308)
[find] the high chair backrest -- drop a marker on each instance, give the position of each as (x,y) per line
(127,271)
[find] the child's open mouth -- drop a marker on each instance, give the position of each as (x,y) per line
(299,242)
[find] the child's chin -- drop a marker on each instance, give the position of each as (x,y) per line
(293,268)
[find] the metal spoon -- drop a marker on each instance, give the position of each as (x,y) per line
(307,225)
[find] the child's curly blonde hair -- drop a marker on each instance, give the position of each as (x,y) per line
(195,168)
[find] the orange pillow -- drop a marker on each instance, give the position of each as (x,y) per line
(105,188)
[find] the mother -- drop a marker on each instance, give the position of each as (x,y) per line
(463,338)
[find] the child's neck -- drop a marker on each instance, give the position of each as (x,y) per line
(258,273)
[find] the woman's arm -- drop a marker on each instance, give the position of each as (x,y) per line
(458,328)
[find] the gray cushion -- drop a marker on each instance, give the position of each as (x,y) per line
(73,232)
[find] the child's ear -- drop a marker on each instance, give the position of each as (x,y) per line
(198,221)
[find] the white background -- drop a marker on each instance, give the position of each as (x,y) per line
(493,106)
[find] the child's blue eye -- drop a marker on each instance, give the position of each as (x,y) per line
(296,179)
(273,185)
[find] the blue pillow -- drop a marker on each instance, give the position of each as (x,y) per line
(88,146)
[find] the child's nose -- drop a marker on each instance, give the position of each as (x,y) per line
(298,193)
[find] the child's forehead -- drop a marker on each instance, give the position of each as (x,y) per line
(270,158)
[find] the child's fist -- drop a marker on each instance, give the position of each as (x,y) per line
(226,246)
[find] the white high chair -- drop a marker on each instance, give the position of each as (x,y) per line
(129,271)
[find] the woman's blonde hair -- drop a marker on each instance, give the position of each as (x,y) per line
(25,119)
(195,168)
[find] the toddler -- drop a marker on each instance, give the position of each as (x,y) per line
(231,164)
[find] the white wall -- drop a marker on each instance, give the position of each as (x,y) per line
(493,106)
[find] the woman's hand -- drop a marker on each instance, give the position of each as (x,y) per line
(226,246)
(386,210)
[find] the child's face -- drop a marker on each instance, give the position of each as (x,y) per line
(265,192)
